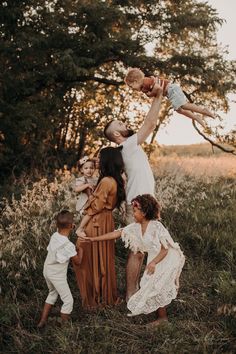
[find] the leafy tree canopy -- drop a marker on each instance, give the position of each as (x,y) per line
(63,64)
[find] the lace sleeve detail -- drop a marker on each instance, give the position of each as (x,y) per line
(164,237)
(131,237)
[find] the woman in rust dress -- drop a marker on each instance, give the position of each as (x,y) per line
(96,275)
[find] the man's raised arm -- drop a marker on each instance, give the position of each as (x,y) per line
(150,121)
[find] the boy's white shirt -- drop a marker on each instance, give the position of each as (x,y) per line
(62,254)
(138,170)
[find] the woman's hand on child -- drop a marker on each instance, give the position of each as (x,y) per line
(150,268)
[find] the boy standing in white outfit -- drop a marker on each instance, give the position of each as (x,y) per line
(60,250)
(140,178)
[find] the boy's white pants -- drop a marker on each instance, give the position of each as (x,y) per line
(56,279)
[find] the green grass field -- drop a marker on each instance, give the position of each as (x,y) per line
(200,212)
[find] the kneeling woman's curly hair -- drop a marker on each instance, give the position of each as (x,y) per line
(148,205)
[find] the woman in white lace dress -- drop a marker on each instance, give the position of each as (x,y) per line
(160,281)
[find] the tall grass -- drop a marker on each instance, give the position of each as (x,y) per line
(199,168)
(200,211)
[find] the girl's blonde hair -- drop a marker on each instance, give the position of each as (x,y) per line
(83,160)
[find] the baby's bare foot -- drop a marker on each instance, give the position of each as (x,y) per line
(208,113)
(199,119)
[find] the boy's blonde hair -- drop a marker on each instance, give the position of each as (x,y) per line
(134,74)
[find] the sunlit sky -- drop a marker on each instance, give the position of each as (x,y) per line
(180,130)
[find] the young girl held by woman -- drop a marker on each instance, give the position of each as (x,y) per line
(85,184)
(96,275)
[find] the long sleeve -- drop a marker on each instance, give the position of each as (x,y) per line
(163,236)
(131,235)
(102,196)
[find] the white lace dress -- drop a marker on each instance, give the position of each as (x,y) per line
(161,287)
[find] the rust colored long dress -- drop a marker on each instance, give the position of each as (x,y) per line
(96,277)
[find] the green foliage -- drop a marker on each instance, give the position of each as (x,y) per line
(26,225)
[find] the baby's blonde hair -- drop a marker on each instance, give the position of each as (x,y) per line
(134,74)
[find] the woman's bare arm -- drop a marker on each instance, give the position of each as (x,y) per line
(83,223)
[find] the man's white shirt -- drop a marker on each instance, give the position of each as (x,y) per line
(138,170)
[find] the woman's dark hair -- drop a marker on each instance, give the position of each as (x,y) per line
(112,165)
(148,205)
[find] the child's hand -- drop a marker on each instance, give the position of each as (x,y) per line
(80,233)
(89,190)
(78,258)
(90,186)
(150,268)
(151,93)
(84,238)
(81,239)
(157,90)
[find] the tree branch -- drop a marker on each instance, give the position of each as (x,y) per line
(163,115)
(230,151)
(99,79)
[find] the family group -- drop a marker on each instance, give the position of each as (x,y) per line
(125,176)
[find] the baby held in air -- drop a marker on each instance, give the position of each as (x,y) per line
(136,79)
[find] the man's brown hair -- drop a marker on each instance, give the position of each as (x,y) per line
(107,132)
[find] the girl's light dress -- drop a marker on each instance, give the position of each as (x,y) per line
(161,287)
(83,196)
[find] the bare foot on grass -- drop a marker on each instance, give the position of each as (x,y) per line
(157,323)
